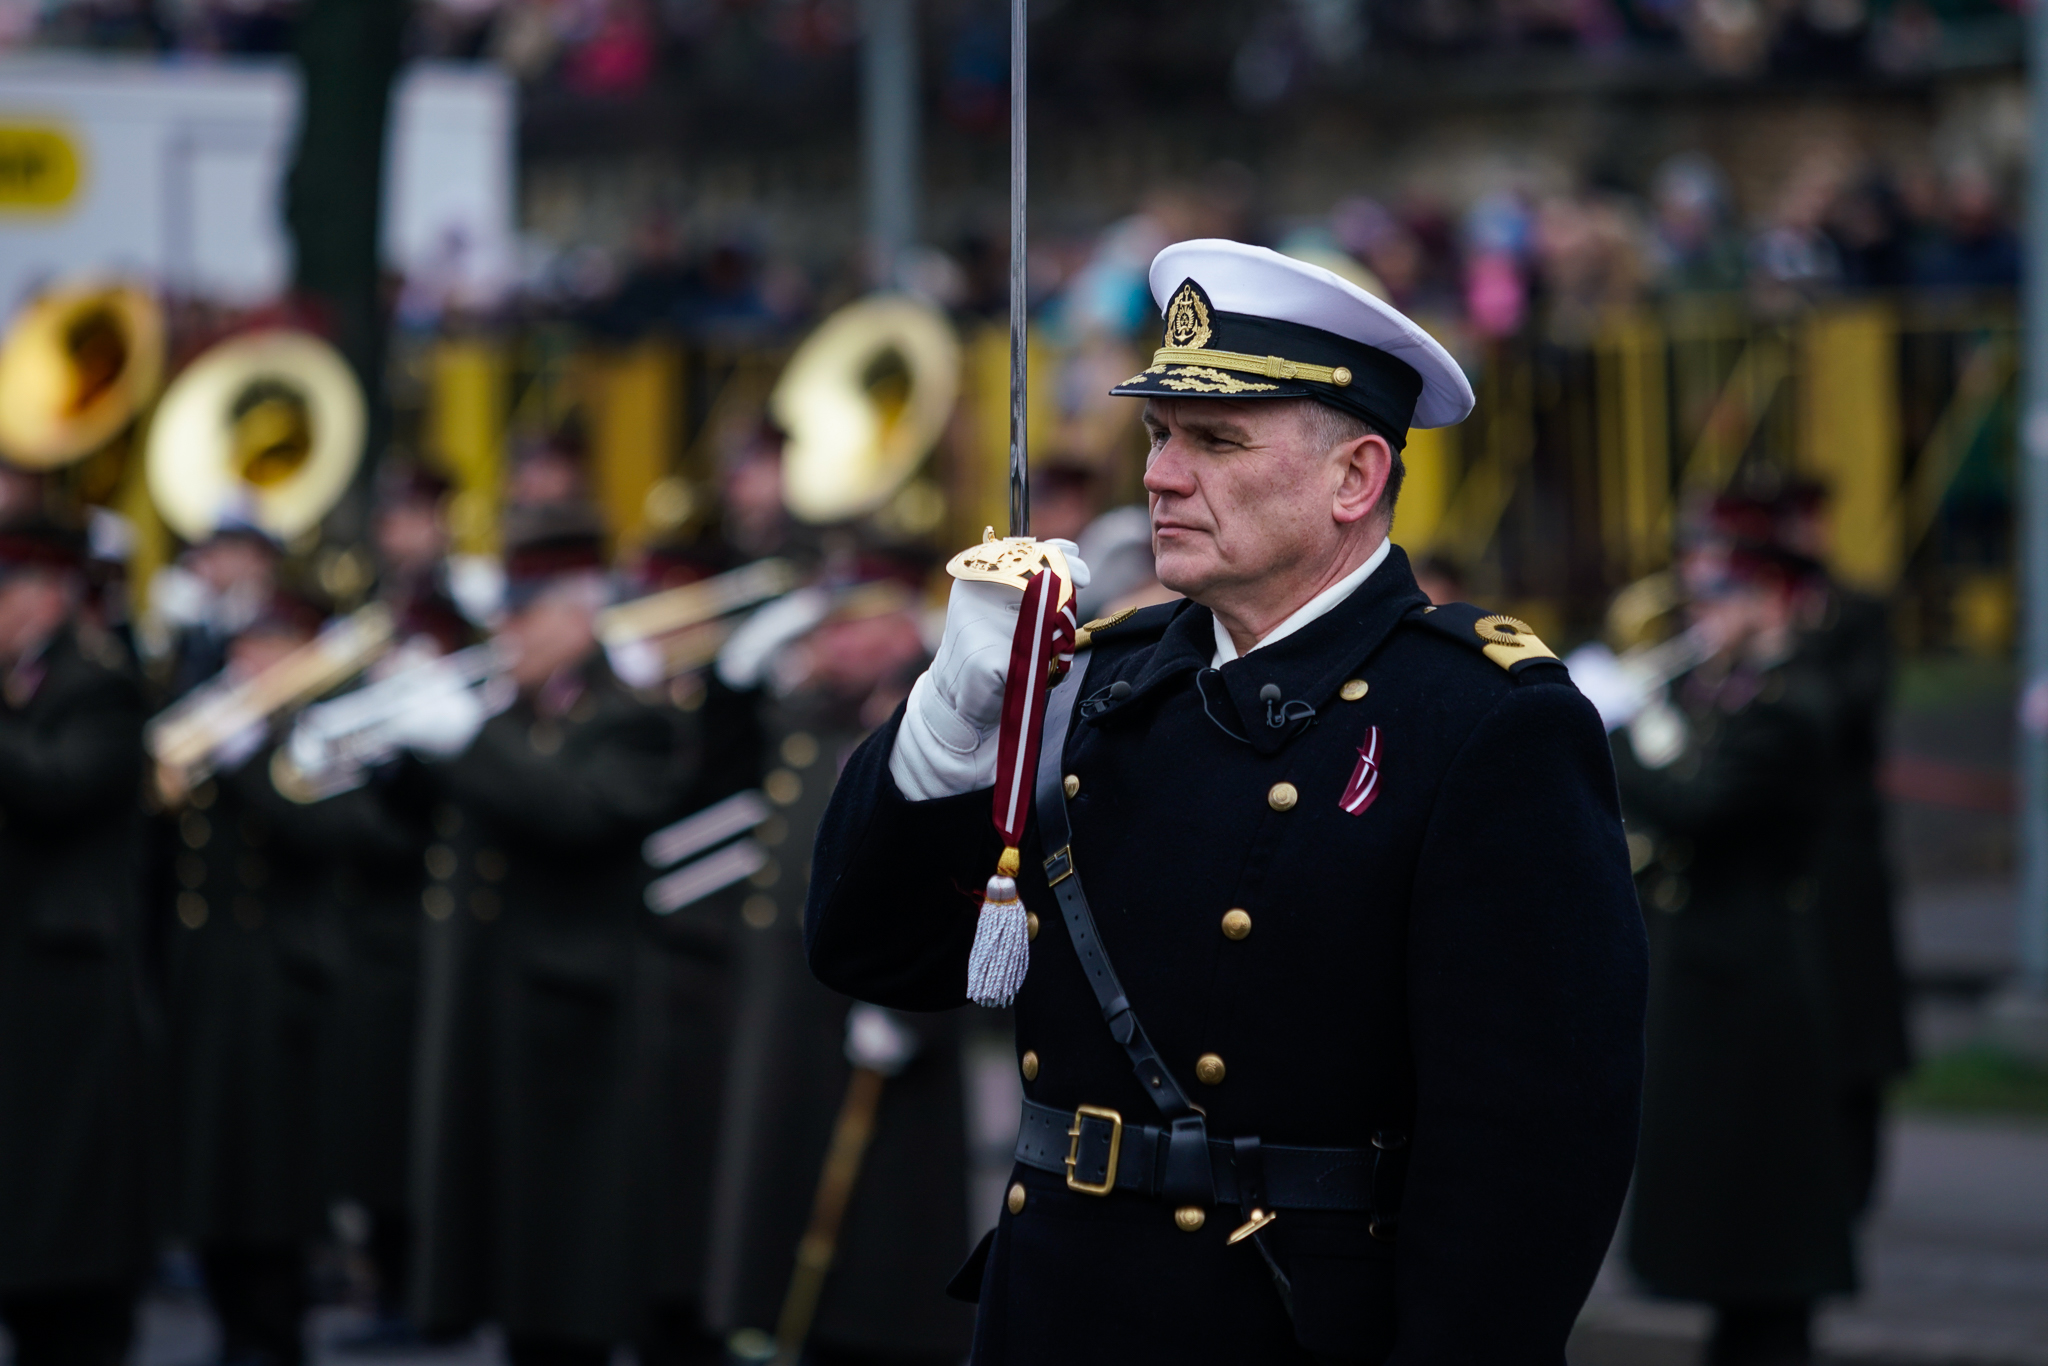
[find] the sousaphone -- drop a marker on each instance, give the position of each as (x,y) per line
(864,400)
(267,426)
(78,364)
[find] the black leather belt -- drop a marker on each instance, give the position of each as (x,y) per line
(1295,1178)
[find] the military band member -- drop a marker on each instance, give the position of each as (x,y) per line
(1743,1196)
(74,1211)
(535,1152)
(251,966)
(376,851)
(1339,1058)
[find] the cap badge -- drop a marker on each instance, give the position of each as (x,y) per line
(1187,318)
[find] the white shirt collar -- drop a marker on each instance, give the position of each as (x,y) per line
(1226,649)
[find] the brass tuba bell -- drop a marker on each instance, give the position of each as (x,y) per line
(864,399)
(78,364)
(268,424)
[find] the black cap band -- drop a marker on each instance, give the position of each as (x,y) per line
(1257,357)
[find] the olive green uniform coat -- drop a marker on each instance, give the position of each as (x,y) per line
(376,841)
(254,957)
(75,1026)
(906,1228)
(1740,1193)
(542,1184)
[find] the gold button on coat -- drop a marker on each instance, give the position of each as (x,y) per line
(1236,924)
(1072,783)
(1030,925)
(1354,689)
(1209,1069)
(1029,1062)
(1190,1218)
(1282,797)
(1016,1200)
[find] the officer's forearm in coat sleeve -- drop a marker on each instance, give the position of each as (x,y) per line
(894,884)
(1527,964)
(90,761)
(624,785)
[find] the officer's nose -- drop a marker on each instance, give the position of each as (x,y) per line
(1167,473)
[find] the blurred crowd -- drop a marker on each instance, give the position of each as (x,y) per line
(611,47)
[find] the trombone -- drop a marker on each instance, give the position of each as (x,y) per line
(659,637)
(197,736)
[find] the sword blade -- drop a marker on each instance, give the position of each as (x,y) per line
(1020,475)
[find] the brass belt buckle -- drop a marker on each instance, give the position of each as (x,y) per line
(1059,867)
(1116,1147)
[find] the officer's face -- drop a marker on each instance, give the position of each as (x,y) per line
(1247,494)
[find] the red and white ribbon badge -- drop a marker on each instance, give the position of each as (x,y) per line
(1364,788)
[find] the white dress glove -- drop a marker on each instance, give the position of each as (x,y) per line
(948,742)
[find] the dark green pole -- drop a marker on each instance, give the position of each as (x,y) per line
(348,54)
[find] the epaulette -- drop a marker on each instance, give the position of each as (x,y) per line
(1132,624)
(1504,640)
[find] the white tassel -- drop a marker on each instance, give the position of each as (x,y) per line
(1002,945)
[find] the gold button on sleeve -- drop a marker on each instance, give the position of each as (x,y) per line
(1236,924)
(1190,1218)
(1354,689)
(1282,796)
(1209,1070)
(1029,1064)
(1016,1198)
(1072,784)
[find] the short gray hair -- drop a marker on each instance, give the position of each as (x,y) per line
(1330,427)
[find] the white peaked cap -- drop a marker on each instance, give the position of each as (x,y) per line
(1264,284)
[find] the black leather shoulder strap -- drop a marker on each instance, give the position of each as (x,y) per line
(1187,1175)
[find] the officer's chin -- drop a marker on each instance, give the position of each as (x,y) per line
(1186,572)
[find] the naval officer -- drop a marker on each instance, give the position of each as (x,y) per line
(1331,1034)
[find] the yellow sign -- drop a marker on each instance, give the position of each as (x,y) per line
(39,167)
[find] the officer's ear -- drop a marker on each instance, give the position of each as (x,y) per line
(1368,465)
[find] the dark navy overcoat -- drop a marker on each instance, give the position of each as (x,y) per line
(1459,959)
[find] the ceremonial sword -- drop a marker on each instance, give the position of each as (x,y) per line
(1016,558)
